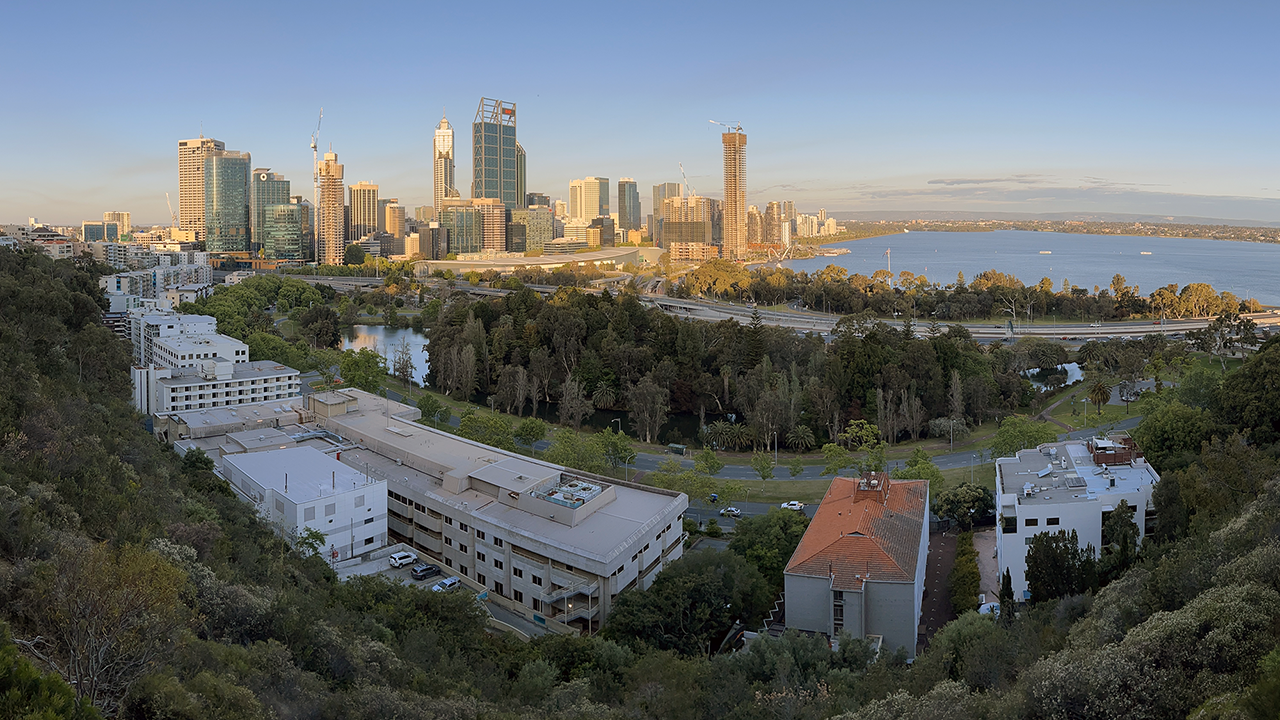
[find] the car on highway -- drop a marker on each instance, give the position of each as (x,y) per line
(732,512)
(793,505)
(448,583)
(422,571)
(400,559)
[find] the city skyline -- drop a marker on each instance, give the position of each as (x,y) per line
(921,108)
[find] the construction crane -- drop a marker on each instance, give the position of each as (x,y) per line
(315,174)
(736,127)
(172,215)
(690,192)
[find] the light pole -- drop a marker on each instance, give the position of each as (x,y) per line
(971,459)
(775,448)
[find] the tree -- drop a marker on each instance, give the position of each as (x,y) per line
(615,447)
(768,541)
(1006,595)
(570,449)
(353,255)
(429,405)
(836,457)
(796,466)
(964,504)
(488,429)
(1171,435)
(965,581)
(919,467)
(363,369)
(1119,542)
(530,431)
(1018,432)
(801,437)
(402,363)
(762,464)
(649,404)
(707,462)
(1099,395)
(103,617)
(1057,566)
(575,406)
(30,694)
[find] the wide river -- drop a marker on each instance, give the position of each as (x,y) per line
(1244,268)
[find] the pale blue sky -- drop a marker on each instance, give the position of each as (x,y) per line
(1145,107)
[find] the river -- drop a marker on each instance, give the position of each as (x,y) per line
(1244,268)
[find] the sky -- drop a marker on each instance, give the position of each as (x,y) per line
(1127,107)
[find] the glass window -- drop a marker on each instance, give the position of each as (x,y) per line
(309,513)
(1031,522)
(330,509)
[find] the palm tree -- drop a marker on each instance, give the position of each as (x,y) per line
(738,435)
(603,397)
(801,437)
(1090,352)
(718,433)
(1099,394)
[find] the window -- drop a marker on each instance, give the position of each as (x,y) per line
(479,534)
(448,541)
(497,542)
(619,570)
(330,509)
(497,563)
(518,596)
(368,541)
(1051,521)
(517,572)
(462,569)
(537,605)
(448,562)
(480,578)
(448,521)
(462,548)
(479,556)
(367,521)
(1026,541)
(1031,522)
(359,501)
(537,580)
(462,526)
(308,513)
(497,587)
(279,505)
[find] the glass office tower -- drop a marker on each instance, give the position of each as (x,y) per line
(495,165)
(465,226)
(266,189)
(282,233)
(226,201)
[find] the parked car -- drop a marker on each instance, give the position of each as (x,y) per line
(448,583)
(793,505)
(400,559)
(422,571)
(731,512)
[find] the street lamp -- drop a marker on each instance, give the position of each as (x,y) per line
(971,459)
(775,448)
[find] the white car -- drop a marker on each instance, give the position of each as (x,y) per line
(732,512)
(400,559)
(793,505)
(446,584)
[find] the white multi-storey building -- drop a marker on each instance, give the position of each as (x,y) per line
(1071,485)
(148,324)
(152,282)
(213,383)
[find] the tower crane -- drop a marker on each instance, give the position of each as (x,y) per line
(736,127)
(315,173)
(172,215)
(688,190)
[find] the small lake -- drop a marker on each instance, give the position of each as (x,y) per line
(384,340)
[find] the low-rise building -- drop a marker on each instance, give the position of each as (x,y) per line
(860,566)
(191,292)
(234,278)
(1070,485)
(214,382)
(149,323)
(692,251)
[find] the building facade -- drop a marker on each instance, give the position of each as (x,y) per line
(121,219)
(216,382)
(282,232)
(661,192)
(364,211)
(226,201)
(443,184)
(735,194)
(191,182)
(628,205)
(494,162)
(94,231)
(331,213)
(538,227)
(266,189)
(465,227)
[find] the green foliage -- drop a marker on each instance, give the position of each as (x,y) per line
(768,541)
(353,255)
(27,693)
(762,463)
(1119,542)
(919,467)
(429,405)
(1171,435)
(796,466)
(615,447)
(530,431)
(836,457)
(713,528)
(1019,432)
(964,503)
(364,369)
(573,450)
(964,582)
(691,604)
(1057,566)
(707,463)
(488,429)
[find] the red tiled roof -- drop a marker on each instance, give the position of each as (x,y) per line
(858,533)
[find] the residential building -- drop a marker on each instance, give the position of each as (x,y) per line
(121,219)
(494,150)
(561,209)
(302,488)
(1067,486)
(755,225)
(330,215)
(282,234)
(150,283)
(364,211)
(444,186)
(236,277)
(772,223)
(661,192)
(94,231)
(149,325)
(628,205)
(493,215)
(226,201)
(114,254)
(735,193)
(822,215)
(692,251)
(860,567)
(191,292)
(537,227)
(56,249)
(214,382)
(393,214)
(191,182)
(266,189)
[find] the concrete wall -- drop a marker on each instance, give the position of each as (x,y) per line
(890,611)
(809,603)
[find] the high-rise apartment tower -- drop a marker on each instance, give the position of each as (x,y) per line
(628,205)
(191,155)
(121,219)
(735,193)
(266,189)
(661,192)
(330,215)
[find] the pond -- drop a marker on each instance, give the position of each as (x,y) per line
(384,340)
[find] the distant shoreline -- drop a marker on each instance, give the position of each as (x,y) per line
(1260,235)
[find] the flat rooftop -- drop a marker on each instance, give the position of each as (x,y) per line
(255,370)
(309,473)
(284,410)
(1065,472)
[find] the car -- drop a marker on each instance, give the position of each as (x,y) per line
(422,571)
(400,559)
(448,583)
(731,512)
(793,505)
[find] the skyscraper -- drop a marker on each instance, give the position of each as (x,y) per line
(364,210)
(687,220)
(628,205)
(589,198)
(330,215)
(226,201)
(191,155)
(755,226)
(393,213)
(121,219)
(444,182)
(266,189)
(661,192)
(493,215)
(494,154)
(465,227)
(521,186)
(735,193)
(773,219)
(281,231)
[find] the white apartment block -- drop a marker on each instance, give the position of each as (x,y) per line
(148,324)
(215,382)
(151,283)
(1071,485)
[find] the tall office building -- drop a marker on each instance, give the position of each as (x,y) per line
(735,193)
(393,223)
(266,189)
(628,205)
(589,198)
(788,210)
(281,235)
(494,154)
(443,163)
(330,215)
(493,215)
(464,225)
(226,201)
(191,155)
(773,220)
(536,199)
(535,225)
(364,210)
(687,220)
(93,231)
(661,192)
(121,219)
(308,226)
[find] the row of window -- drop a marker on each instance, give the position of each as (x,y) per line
(1034,522)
